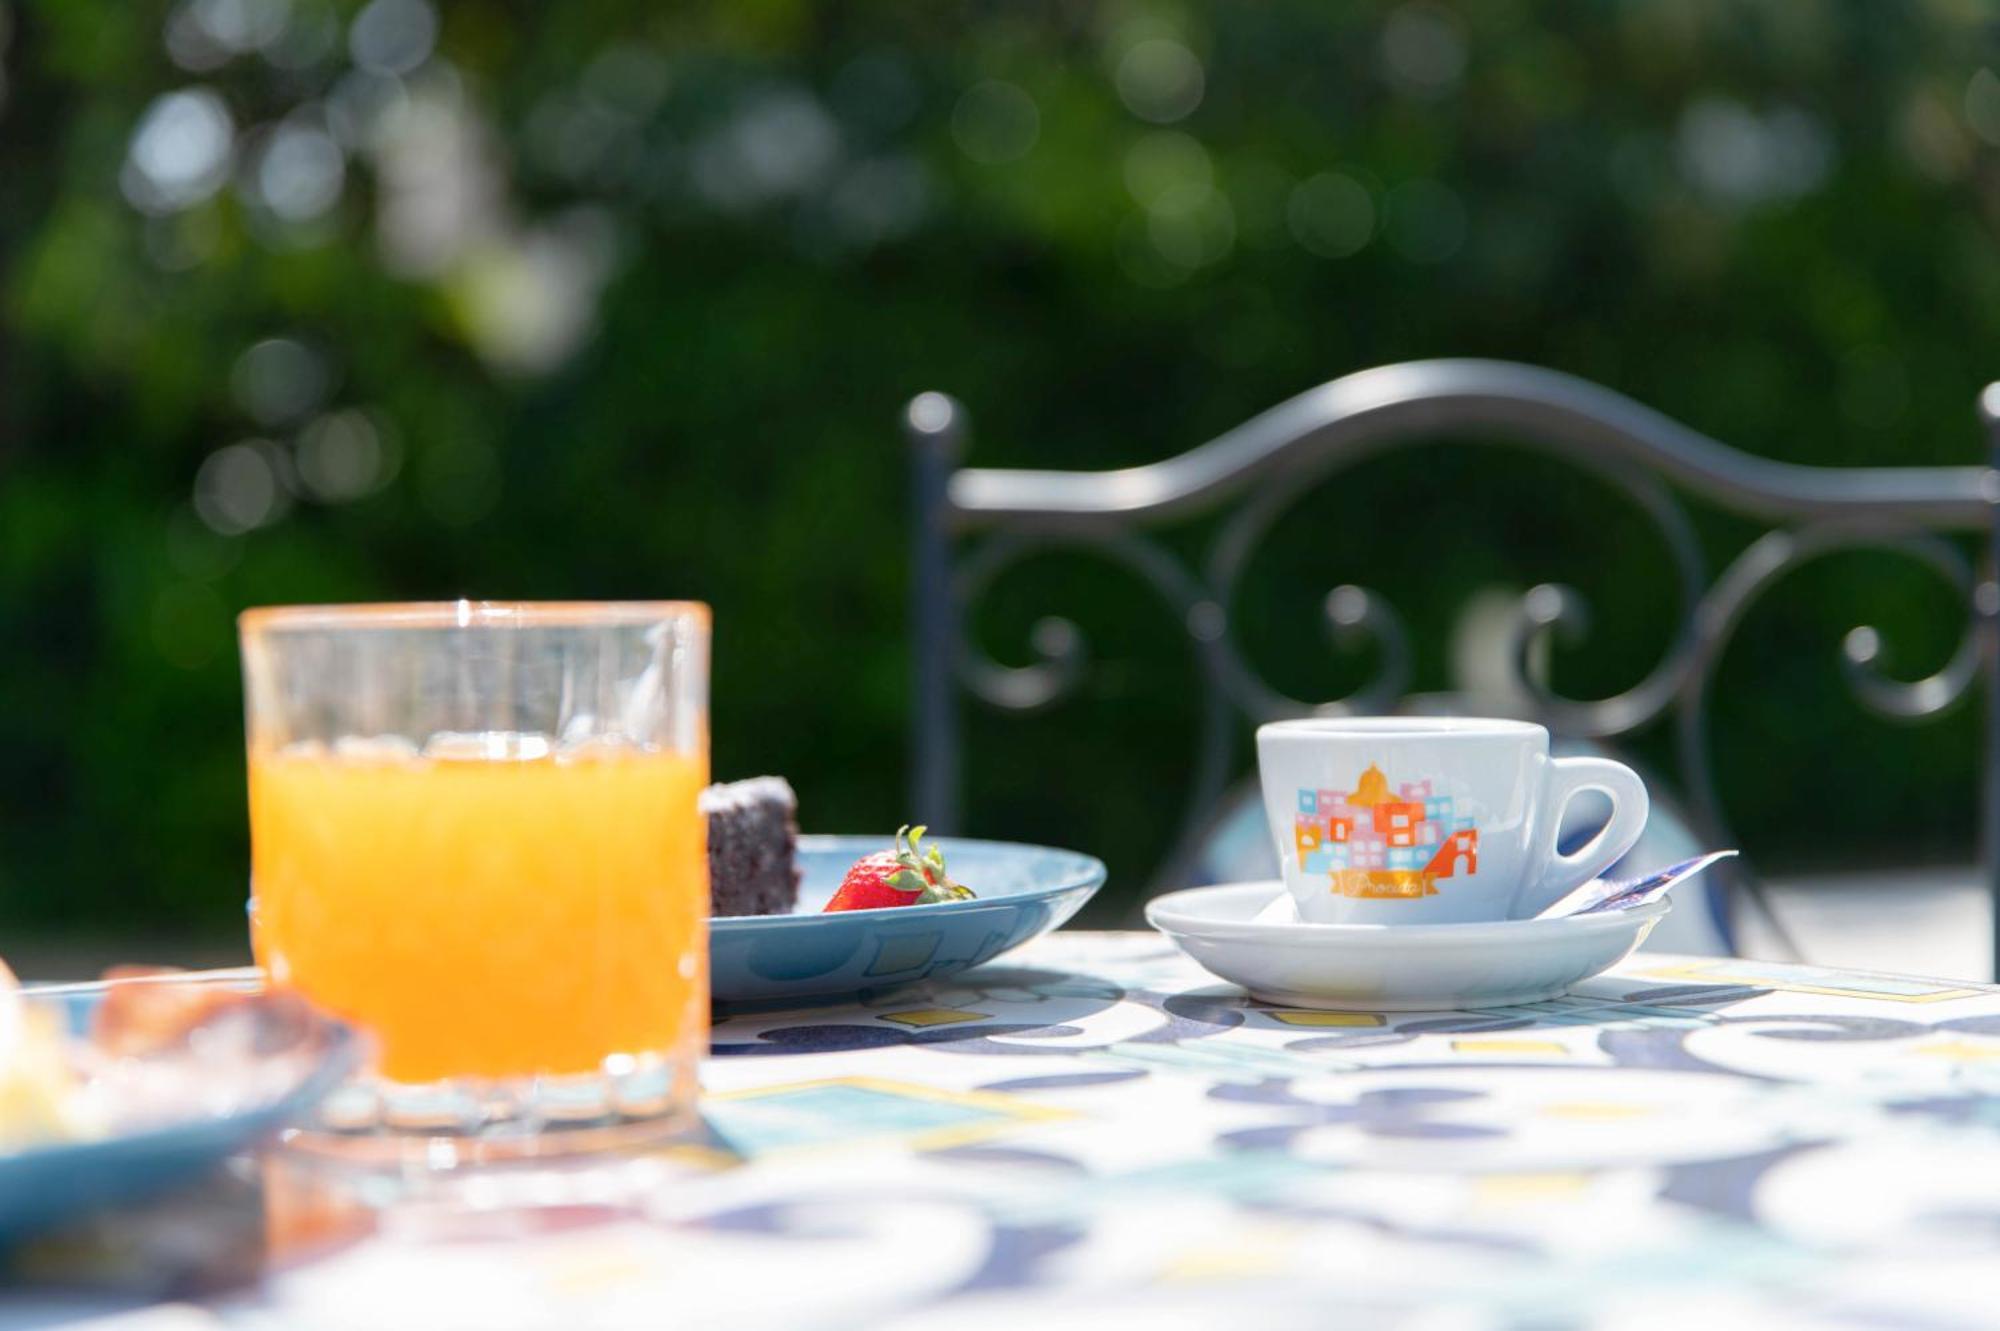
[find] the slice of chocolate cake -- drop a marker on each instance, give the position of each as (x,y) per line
(753,842)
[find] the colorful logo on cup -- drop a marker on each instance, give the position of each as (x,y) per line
(1372,843)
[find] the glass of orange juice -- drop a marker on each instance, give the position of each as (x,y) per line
(474,834)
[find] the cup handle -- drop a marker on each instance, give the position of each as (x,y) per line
(1568,778)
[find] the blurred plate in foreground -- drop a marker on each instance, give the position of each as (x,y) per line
(158,1103)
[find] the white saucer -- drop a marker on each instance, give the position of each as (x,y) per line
(1393,968)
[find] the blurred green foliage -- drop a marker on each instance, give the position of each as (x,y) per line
(603,300)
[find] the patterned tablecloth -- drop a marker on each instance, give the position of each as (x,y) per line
(1096,1133)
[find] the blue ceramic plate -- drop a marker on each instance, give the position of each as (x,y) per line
(811,957)
(297,1063)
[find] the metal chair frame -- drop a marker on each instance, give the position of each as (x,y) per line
(1810,512)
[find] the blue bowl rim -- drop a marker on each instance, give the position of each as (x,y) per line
(1084,873)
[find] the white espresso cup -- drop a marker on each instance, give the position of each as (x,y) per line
(1432,820)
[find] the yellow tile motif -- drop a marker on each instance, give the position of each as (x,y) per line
(596,1272)
(932,1016)
(1505,1189)
(1961,1050)
(1885,989)
(1257,1253)
(1009,1111)
(1501,1045)
(1310,1017)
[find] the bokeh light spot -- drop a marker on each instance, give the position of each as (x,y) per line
(180,151)
(1982,105)
(995,121)
(931,412)
(781,145)
(1191,227)
(1164,162)
(310,36)
(1423,47)
(300,172)
(190,44)
(204,34)
(393,36)
(1932,136)
(528,302)
(1733,154)
(238,489)
(361,104)
(279,379)
(1160,80)
(341,456)
(441,188)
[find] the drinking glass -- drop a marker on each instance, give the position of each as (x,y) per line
(474,834)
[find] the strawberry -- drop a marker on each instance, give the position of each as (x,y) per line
(907,875)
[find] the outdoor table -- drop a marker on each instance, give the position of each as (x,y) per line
(1093,1131)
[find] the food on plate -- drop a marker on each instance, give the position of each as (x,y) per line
(908,874)
(158,1049)
(753,843)
(141,1019)
(37,1084)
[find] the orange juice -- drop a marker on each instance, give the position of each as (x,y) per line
(488,917)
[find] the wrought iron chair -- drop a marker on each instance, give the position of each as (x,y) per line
(1249,475)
